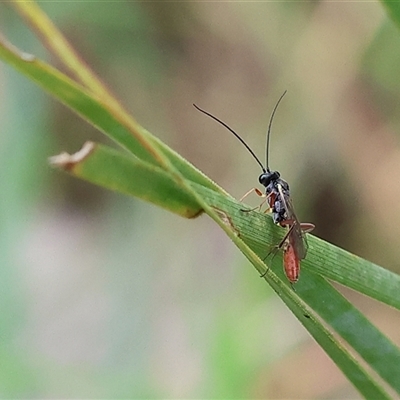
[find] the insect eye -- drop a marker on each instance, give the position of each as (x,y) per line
(266,178)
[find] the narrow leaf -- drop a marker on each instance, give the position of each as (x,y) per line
(114,123)
(113,170)
(393,9)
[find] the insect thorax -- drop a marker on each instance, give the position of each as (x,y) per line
(274,190)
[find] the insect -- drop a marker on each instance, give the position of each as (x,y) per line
(277,195)
(291,247)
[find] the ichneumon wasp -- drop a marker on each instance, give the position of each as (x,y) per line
(277,195)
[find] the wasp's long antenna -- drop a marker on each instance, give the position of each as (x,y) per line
(237,136)
(269,132)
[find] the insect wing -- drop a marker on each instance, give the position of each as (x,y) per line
(297,237)
(298,240)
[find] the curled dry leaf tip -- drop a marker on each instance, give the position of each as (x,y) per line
(68,161)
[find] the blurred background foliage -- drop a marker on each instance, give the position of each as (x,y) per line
(106,296)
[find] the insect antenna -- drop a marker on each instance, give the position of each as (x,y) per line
(237,136)
(269,132)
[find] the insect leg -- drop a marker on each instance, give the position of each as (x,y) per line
(276,248)
(307,227)
(258,193)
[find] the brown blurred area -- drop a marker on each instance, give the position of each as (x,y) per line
(167,307)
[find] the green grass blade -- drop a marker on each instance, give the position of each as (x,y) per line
(354,272)
(314,298)
(319,297)
(322,258)
(393,9)
(77,98)
(113,122)
(60,47)
(115,171)
(236,223)
(163,177)
(57,43)
(375,348)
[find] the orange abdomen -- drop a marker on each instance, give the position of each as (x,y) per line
(291,263)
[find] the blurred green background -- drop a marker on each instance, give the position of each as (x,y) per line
(104,296)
